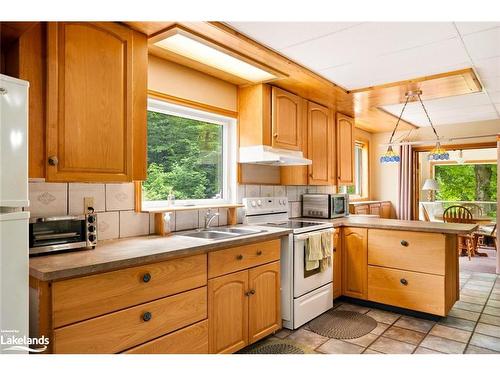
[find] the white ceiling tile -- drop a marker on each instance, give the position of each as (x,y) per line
(366,41)
(498,107)
(488,67)
(483,44)
(491,83)
(473,27)
(425,60)
(278,35)
(495,96)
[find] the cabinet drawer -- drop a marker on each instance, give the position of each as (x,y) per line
(239,258)
(189,340)
(87,297)
(124,329)
(412,251)
(410,290)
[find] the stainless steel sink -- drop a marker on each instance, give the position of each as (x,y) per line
(221,233)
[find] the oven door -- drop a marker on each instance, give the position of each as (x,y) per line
(306,281)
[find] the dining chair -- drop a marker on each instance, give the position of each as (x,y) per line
(461,214)
(483,234)
(474,208)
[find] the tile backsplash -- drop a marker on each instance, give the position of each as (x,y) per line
(114,204)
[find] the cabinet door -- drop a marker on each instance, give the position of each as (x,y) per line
(345,149)
(90,101)
(355,262)
(362,209)
(320,147)
(264,302)
(375,209)
(337,264)
(287,120)
(385,210)
(228,312)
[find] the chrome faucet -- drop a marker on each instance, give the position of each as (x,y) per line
(209,217)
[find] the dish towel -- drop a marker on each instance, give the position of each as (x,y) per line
(314,251)
(326,250)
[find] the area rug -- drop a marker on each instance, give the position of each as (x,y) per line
(342,324)
(276,346)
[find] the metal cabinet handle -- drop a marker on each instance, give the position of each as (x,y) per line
(53,160)
(259,252)
(147,316)
(404,282)
(146,277)
(275,135)
(250,292)
(404,243)
(239,257)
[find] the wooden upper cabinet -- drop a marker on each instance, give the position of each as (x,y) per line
(355,262)
(228,312)
(96,102)
(320,145)
(264,302)
(345,149)
(287,122)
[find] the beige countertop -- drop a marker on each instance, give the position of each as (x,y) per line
(127,252)
(408,225)
(359,203)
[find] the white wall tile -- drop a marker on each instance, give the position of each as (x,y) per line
(267,191)
(241,193)
(108,225)
(291,193)
(48,199)
(185,220)
(133,224)
(280,191)
(311,189)
(300,191)
(120,196)
(252,191)
(222,216)
(201,218)
(296,209)
(79,191)
(240,212)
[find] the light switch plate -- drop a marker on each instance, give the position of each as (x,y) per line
(87,202)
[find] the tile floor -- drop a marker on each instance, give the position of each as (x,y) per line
(480,264)
(472,327)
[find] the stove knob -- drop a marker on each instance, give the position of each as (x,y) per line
(91,219)
(91,228)
(91,238)
(259,203)
(253,204)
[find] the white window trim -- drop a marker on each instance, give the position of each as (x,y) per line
(228,152)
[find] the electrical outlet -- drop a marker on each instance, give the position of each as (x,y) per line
(87,202)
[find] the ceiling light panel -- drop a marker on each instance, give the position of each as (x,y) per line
(195,50)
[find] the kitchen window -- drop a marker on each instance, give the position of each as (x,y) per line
(191,155)
(360,187)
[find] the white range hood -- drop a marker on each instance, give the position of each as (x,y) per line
(267,155)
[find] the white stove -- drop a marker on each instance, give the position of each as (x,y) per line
(304,294)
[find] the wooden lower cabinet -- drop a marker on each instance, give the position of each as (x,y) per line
(243,307)
(189,340)
(228,312)
(337,263)
(355,261)
(264,303)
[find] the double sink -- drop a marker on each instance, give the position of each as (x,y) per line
(221,233)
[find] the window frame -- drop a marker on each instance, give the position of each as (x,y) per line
(228,153)
(362,187)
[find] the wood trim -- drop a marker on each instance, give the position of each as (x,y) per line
(138,196)
(191,104)
(468,74)
(41,322)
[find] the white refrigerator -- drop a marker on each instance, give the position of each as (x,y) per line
(13,220)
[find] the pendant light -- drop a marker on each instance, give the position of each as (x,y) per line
(390,156)
(437,153)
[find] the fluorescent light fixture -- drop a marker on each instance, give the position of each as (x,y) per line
(183,44)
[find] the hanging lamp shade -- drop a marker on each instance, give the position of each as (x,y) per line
(390,156)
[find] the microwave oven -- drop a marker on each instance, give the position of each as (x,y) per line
(325,206)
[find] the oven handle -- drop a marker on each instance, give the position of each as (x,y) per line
(305,236)
(56,218)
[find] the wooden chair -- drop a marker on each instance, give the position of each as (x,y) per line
(474,208)
(482,235)
(461,214)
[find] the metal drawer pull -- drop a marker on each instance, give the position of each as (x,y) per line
(53,160)
(239,257)
(147,316)
(404,282)
(259,252)
(146,277)
(404,243)
(249,293)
